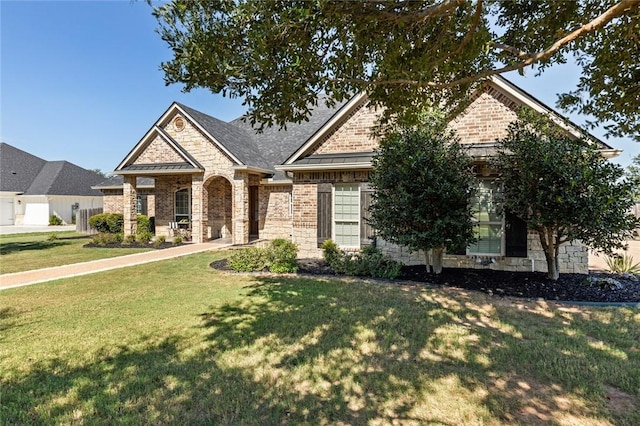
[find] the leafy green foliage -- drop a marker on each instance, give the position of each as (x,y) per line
(622,264)
(105,238)
(130,239)
(422,189)
(54,220)
(177,240)
(144,224)
(282,256)
(144,237)
(277,56)
(633,174)
(52,237)
(370,261)
(107,222)
(249,259)
(563,188)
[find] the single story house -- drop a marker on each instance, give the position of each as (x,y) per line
(33,189)
(309,182)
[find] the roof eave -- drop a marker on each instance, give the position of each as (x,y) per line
(324,167)
(159,172)
(252,169)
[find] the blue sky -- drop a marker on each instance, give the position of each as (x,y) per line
(81,81)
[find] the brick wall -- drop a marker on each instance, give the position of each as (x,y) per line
(275,212)
(158,151)
(486,119)
(353,133)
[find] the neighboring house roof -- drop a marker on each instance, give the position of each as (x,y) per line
(24,173)
(18,169)
(116,181)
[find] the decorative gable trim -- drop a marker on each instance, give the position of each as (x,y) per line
(327,127)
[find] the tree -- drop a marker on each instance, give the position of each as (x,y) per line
(633,174)
(422,190)
(278,55)
(564,189)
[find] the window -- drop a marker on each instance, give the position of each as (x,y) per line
(141,204)
(346,201)
(489,221)
(183,205)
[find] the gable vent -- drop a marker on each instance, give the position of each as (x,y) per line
(179,124)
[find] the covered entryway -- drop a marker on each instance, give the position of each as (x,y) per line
(218,208)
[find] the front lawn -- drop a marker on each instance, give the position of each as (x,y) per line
(24,252)
(177,342)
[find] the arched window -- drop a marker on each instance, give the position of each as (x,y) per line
(183,205)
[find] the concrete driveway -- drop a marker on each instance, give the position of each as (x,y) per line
(7,229)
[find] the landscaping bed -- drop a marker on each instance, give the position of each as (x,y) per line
(594,287)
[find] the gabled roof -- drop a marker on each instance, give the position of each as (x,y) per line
(18,168)
(27,174)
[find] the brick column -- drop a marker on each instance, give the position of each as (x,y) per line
(196,208)
(129,206)
(240,208)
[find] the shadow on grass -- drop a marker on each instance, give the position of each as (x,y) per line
(322,352)
(9,248)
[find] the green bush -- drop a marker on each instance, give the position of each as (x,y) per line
(55,220)
(283,255)
(160,240)
(130,239)
(177,240)
(52,237)
(368,262)
(144,237)
(249,259)
(104,238)
(144,224)
(111,223)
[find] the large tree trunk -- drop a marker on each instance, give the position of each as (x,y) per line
(436,259)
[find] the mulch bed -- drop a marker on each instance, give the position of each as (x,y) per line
(530,285)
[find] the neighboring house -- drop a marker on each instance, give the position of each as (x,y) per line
(309,182)
(33,189)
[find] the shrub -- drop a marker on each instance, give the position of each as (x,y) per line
(55,220)
(130,239)
(104,239)
(52,237)
(111,223)
(177,240)
(622,264)
(160,240)
(144,224)
(369,262)
(282,256)
(144,237)
(249,259)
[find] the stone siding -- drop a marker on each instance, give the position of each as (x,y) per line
(275,212)
(573,258)
(159,151)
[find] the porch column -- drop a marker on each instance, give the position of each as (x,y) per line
(130,213)
(240,208)
(196,208)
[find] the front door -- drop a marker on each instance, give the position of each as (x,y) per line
(253,212)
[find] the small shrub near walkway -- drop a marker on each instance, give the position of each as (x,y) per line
(279,257)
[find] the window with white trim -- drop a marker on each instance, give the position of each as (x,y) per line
(183,205)
(346,215)
(488,218)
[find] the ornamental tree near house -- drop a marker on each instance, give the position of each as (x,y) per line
(564,189)
(278,55)
(422,186)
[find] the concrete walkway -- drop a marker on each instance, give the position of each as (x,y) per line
(20,279)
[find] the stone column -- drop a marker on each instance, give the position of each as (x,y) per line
(197,231)
(129,203)
(240,208)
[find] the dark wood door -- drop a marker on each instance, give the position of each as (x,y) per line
(254,212)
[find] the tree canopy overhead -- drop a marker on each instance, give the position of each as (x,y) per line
(278,55)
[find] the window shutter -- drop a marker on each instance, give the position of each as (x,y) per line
(366,230)
(324,212)
(515,236)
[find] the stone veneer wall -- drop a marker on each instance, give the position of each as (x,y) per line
(574,258)
(353,134)
(305,205)
(275,212)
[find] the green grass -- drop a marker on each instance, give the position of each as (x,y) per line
(24,252)
(175,342)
